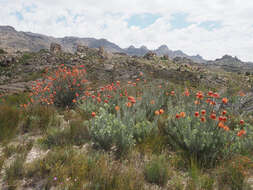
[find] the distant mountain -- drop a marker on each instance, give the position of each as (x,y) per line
(229,60)
(12,40)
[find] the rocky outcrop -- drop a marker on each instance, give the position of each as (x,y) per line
(150,55)
(7,60)
(55,48)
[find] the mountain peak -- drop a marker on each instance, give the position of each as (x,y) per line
(7,28)
(163,47)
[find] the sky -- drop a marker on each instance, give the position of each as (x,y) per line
(210,28)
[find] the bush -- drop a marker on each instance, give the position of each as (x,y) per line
(15,171)
(9,120)
(106,131)
(156,170)
(75,134)
(61,87)
(201,130)
(234,173)
(38,117)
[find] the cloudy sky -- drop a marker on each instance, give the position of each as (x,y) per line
(210,28)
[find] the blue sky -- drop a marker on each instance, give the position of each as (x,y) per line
(210,28)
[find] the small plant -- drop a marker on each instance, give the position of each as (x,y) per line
(9,120)
(234,173)
(38,117)
(15,171)
(156,171)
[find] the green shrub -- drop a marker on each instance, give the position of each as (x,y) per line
(38,117)
(106,131)
(156,171)
(9,120)
(15,171)
(234,173)
(75,134)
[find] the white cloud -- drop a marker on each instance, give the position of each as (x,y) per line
(107,19)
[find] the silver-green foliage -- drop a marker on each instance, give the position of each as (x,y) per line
(107,130)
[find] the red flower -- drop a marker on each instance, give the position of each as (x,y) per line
(177,116)
(203,112)
(93,114)
(199,95)
(203,119)
(241,122)
(224,112)
(213,116)
(196,114)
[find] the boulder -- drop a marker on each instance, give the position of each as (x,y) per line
(55,48)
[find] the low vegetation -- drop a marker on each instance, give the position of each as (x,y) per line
(138,134)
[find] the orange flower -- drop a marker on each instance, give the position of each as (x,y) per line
(241,132)
(117,108)
(196,102)
(221,125)
(203,112)
(129,104)
(161,111)
(74,100)
(225,100)
(182,114)
(226,128)
(241,122)
(157,112)
(196,114)
(93,114)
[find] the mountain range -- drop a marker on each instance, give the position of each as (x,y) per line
(13,40)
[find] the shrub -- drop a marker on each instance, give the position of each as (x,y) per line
(156,170)
(61,87)
(201,130)
(106,131)
(38,117)
(15,171)
(9,120)
(234,173)
(75,134)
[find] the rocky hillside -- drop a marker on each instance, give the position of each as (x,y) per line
(12,40)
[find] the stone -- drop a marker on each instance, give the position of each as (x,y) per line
(55,48)
(150,55)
